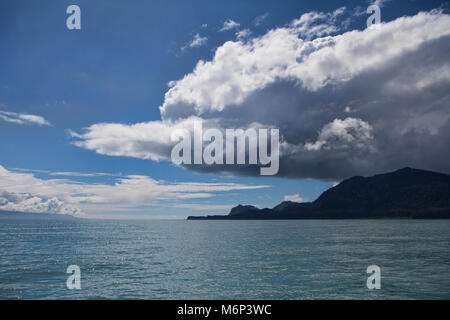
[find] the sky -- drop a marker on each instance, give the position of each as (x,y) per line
(86,115)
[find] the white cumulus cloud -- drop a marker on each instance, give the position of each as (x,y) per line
(20,191)
(26,202)
(341,133)
(305,78)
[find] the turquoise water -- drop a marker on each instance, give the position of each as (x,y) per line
(225,259)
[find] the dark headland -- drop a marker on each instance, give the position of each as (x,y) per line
(405,193)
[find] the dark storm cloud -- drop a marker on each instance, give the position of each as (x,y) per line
(356,103)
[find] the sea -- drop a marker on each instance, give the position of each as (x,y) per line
(179,259)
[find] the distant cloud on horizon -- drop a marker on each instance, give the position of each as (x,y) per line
(294,198)
(23,191)
(27,202)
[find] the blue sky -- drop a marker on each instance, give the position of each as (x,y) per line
(116,69)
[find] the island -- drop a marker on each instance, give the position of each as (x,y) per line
(405,193)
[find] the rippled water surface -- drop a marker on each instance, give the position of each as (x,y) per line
(224,259)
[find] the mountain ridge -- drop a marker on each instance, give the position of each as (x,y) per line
(404,193)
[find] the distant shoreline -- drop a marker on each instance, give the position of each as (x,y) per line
(403,194)
(226,218)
